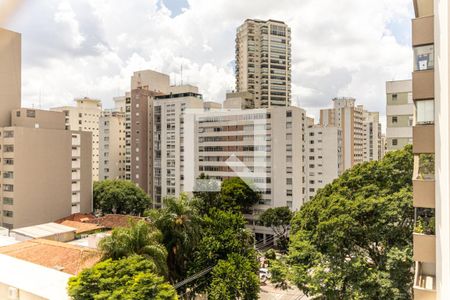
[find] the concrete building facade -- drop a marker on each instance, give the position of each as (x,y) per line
(399,114)
(112,141)
(431,135)
(263,62)
(323,157)
(264,146)
(168,139)
(360,130)
(85,116)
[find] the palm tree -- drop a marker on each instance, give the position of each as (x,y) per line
(140,238)
(179,223)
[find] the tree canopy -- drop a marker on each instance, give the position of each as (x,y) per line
(120,197)
(179,223)
(279,219)
(236,194)
(140,238)
(353,239)
(131,278)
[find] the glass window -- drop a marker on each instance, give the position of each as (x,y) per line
(424,166)
(394,120)
(424,58)
(425,112)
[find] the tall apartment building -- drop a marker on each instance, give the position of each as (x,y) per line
(145,85)
(372,136)
(168,140)
(112,141)
(263,62)
(10,74)
(85,116)
(46,172)
(265,146)
(431,135)
(399,114)
(360,130)
(323,157)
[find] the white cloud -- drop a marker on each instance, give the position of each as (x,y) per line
(339,48)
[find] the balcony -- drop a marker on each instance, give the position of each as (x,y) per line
(423,139)
(423,31)
(424,248)
(423,193)
(425,281)
(423,84)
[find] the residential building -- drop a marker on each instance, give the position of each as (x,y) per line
(264,146)
(360,130)
(399,114)
(372,136)
(84,116)
(168,139)
(323,157)
(263,62)
(431,135)
(145,85)
(112,141)
(10,74)
(44,171)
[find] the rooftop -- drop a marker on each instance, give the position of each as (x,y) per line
(81,227)
(37,280)
(43,230)
(63,257)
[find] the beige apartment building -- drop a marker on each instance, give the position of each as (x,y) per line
(431,135)
(323,157)
(263,62)
(264,146)
(39,181)
(85,116)
(112,141)
(360,130)
(399,114)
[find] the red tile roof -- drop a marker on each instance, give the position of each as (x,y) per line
(81,227)
(67,258)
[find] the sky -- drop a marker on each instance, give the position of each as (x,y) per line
(76,48)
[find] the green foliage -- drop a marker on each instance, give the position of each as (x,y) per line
(279,219)
(270,254)
(207,195)
(131,278)
(223,234)
(236,194)
(141,239)
(179,223)
(120,197)
(234,278)
(353,239)
(279,273)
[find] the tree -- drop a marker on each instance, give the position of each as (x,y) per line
(207,194)
(138,239)
(120,197)
(223,233)
(279,219)
(131,278)
(234,278)
(353,239)
(236,194)
(179,223)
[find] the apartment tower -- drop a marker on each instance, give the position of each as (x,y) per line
(431,148)
(263,62)
(399,114)
(85,116)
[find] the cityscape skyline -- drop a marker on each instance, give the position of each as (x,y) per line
(102,62)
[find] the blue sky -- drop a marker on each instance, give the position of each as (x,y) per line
(74,48)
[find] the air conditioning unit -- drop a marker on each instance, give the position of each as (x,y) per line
(13,293)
